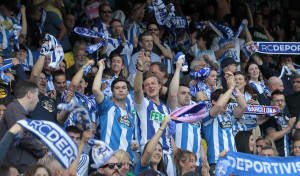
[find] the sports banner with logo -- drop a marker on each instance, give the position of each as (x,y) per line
(289,48)
(246,164)
(55,138)
(251,109)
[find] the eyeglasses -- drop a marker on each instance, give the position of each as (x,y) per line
(114,27)
(277,101)
(43,79)
(152,29)
(112,165)
(106,11)
(78,55)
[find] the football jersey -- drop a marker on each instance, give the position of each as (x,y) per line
(116,125)
(150,117)
(218,133)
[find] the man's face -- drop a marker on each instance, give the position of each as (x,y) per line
(201,64)
(116,29)
(105,14)
(70,21)
(232,68)
(108,171)
(6,12)
(279,85)
(42,83)
(47,62)
(62,66)
(296,84)
(286,62)
(153,30)
(120,90)
(267,152)
(81,86)
(155,69)
(147,43)
(37,16)
(80,57)
(21,55)
(60,83)
(278,100)
(151,87)
(184,96)
(75,137)
(34,99)
(296,148)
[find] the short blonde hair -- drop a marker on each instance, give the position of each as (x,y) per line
(121,155)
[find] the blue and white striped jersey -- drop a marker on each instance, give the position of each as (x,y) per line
(126,52)
(7,24)
(218,133)
(83,165)
(133,30)
(101,27)
(116,125)
(150,117)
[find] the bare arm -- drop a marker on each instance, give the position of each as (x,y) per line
(86,135)
(216,109)
(174,85)
(167,53)
(148,151)
(138,81)
(37,69)
(222,50)
(242,105)
(249,15)
(99,96)
(275,135)
(77,77)
(24,21)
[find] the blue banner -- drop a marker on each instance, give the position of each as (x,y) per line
(55,138)
(247,164)
(289,48)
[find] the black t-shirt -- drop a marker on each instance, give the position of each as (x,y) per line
(164,98)
(45,109)
(292,102)
(278,122)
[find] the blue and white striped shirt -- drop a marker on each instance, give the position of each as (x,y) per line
(218,133)
(116,125)
(126,52)
(151,116)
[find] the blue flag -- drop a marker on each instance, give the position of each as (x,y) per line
(247,164)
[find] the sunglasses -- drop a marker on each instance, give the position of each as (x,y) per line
(112,165)
(152,29)
(106,11)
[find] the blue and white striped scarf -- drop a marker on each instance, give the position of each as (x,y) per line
(78,113)
(53,49)
(85,32)
(55,138)
(264,89)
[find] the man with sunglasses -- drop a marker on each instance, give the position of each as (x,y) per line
(105,17)
(111,167)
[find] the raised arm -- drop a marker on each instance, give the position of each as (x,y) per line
(167,53)
(37,69)
(275,135)
(24,21)
(77,77)
(247,33)
(242,105)
(222,50)
(216,109)
(174,85)
(85,136)
(99,96)
(138,81)
(148,151)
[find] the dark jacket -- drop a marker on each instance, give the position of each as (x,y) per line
(29,149)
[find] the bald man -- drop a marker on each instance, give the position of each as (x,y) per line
(275,83)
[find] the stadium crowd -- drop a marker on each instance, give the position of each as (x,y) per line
(132,83)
